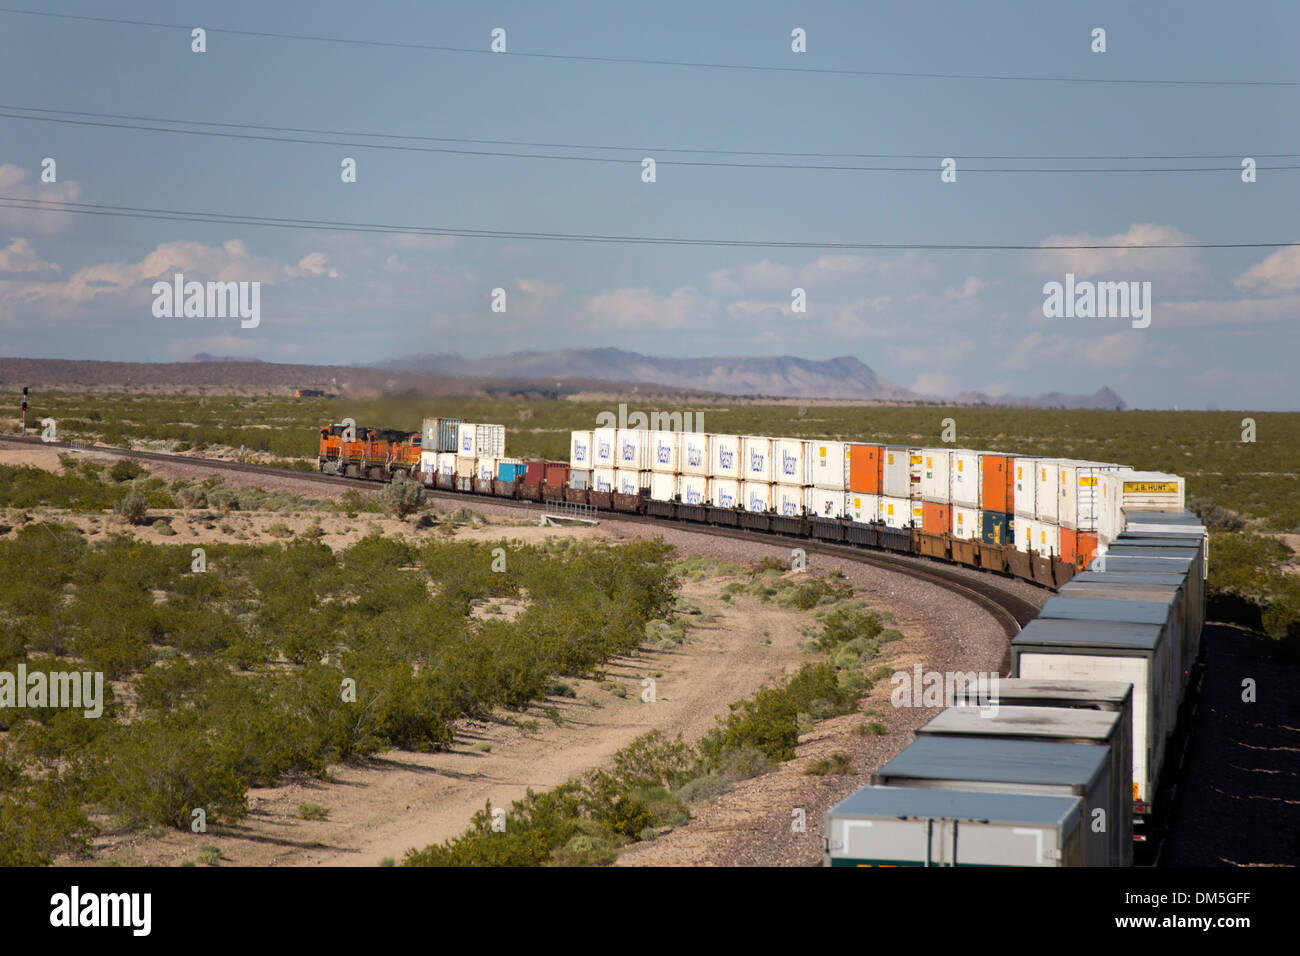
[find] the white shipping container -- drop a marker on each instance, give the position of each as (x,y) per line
(724,492)
(965,522)
(428,466)
(1150,490)
(663,487)
(788,500)
(756,496)
(895,472)
(791,461)
(633,449)
(966,478)
(1023,486)
(466,446)
(604,448)
(828,465)
(602,479)
(827,503)
(724,456)
(694,457)
(663,451)
(485,469)
(936,468)
(863,508)
(1078,493)
(490,441)
(580,453)
(756,453)
(895,512)
(627,481)
(447,464)
(693,489)
(918,513)
(1046,478)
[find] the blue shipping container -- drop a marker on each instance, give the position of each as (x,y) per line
(510,471)
(996,528)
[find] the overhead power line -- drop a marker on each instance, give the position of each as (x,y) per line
(728,164)
(175,215)
(635,148)
(694,64)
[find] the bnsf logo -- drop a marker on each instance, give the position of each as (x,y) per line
(725,500)
(694,456)
(663,452)
(692,497)
(726,459)
(756,460)
(629,451)
(755,502)
(789,463)
(788,508)
(579,452)
(467,443)
(602,485)
(603,450)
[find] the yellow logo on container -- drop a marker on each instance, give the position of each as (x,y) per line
(1135,791)
(1088,482)
(1151,487)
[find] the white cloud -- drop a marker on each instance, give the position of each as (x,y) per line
(1038,351)
(934,383)
(1133,260)
(643,309)
(943,355)
(1279,272)
(18,183)
(19,256)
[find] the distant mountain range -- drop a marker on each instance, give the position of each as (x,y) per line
(540,375)
(782,376)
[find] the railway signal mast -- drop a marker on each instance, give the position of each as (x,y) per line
(24,409)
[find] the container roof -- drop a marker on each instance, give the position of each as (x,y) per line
(1095,609)
(1012,721)
(957,804)
(1147,562)
(1133,577)
(1067,633)
(996,760)
(1171,517)
(1083,691)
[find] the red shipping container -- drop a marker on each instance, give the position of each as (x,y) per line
(864,469)
(936,518)
(996,492)
(557,473)
(534,471)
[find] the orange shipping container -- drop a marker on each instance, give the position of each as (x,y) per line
(936,518)
(996,482)
(1086,548)
(1069,545)
(864,469)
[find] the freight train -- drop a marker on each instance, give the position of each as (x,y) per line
(1075,764)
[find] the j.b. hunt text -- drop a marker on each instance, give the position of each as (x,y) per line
(211,300)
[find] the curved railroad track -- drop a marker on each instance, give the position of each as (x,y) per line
(1011,611)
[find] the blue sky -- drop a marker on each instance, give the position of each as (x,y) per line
(1223,331)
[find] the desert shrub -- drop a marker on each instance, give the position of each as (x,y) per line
(848,622)
(126,470)
(192,497)
(402,497)
(836,763)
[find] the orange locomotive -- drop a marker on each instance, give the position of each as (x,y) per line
(360,452)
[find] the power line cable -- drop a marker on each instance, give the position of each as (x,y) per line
(589,58)
(174,215)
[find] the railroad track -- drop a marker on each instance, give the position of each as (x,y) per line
(1011,611)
